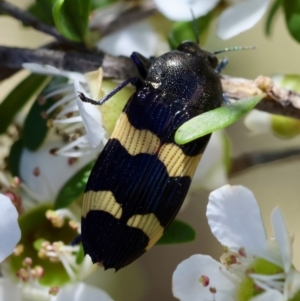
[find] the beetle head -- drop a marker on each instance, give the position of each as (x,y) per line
(194,49)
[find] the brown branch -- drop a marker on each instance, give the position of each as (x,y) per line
(249,160)
(113,67)
(30,20)
(278,100)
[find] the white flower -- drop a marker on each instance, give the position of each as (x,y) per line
(10,232)
(212,170)
(252,268)
(28,286)
(139,37)
(240,16)
(81,291)
(45,171)
(283,127)
(95,134)
(181,10)
(71,292)
(258,122)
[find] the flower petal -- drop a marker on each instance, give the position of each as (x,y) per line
(270,295)
(39,169)
(292,285)
(211,171)
(139,37)
(9,290)
(240,17)
(282,238)
(235,220)
(50,70)
(10,232)
(91,118)
(186,284)
(180,10)
(258,122)
(81,291)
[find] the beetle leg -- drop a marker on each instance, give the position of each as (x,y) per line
(222,65)
(134,81)
(76,240)
(225,99)
(142,63)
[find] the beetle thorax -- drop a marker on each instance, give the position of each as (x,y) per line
(182,76)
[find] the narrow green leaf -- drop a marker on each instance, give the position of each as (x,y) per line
(292,17)
(215,120)
(178,232)
(71,18)
(35,125)
(42,9)
(17,98)
(272,13)
(15,157)
(74,187)
(186,31)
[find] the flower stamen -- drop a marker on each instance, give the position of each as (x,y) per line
(204,280)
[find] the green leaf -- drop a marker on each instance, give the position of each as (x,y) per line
(215,119)
(186,31)
(71,18)
(35,125)
(74,187)
(42,9)
(178,232)
(272,13)
(17,98)
(80,255)
(15,157)
(292,17)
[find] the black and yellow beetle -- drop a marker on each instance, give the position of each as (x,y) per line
(142,176)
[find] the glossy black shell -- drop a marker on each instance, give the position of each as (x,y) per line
(187,76)
(178,85)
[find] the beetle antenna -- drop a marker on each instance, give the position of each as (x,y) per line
(196,29)
(235,48)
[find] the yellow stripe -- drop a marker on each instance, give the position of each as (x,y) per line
(177,163)
(154,239)
(133,140)
(102,201)
(149,224)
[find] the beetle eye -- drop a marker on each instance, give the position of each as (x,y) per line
(213,60)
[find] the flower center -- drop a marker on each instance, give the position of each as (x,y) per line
(258,277)
(33,235)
